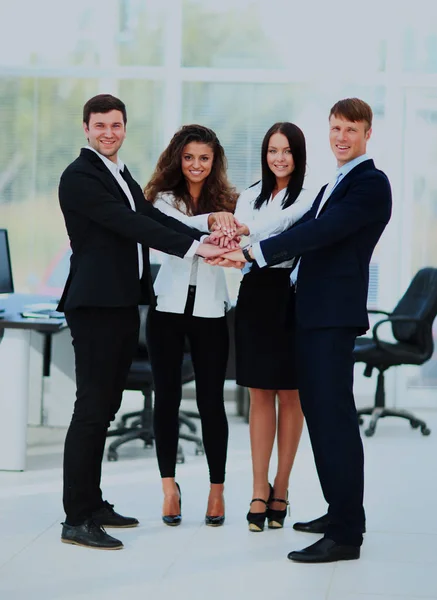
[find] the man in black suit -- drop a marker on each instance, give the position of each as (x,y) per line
(111,227)
(336,239)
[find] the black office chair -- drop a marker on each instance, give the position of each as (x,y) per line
(139,424)
(411,323)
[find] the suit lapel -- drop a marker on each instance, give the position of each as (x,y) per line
(316,203)
(135,189)
(105,175)
(342,185)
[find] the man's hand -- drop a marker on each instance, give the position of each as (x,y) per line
(229,259)
(209,250)
(235,256)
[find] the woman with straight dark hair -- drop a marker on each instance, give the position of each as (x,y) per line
(264,323)
(190,184)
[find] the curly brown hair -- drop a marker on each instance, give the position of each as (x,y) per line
(217,193)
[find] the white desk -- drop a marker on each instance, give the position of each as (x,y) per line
(15,360)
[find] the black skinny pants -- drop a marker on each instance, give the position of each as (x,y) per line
(104,341)
(209,345)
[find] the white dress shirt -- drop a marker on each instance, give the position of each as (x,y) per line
(115,169)
(177,274)
(270,219)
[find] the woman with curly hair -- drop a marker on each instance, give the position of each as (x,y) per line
(190,184)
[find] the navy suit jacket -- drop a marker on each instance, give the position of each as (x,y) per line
(336,249)
(104,231)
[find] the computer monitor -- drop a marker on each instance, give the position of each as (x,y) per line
(6,281)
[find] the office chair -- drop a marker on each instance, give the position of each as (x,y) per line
(411,323)
(139,424)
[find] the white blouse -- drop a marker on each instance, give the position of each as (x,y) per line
(176,274)
(270,219)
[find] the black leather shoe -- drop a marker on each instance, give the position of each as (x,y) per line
(107,517)
(319,525)
(90,535)
(325,550)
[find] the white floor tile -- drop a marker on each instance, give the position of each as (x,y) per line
(195,562)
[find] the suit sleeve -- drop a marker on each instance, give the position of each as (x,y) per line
(193,222)
(368,200)
(83,193)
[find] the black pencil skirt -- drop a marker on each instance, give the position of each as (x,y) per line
(265,331)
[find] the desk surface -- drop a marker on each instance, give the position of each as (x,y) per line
(14,304)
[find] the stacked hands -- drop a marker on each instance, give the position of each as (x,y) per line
(222,246)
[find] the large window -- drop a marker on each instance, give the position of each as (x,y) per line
(237,66)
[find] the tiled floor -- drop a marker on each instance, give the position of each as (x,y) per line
(195,562)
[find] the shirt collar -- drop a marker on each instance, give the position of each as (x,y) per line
(347,168)
(112,166)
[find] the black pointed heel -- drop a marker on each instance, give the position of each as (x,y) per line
(256,520)
(174,520)
(214,521)
(276,518)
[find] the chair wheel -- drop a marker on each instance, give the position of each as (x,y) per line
(112,455)
(180,460)
(148,444)
(360,420)
(369,432)
(425,430)
(414,424)
(199,451)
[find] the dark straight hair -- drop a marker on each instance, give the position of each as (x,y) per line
(296,141)
(103,103)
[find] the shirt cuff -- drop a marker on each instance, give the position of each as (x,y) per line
(258,255)
(192,249)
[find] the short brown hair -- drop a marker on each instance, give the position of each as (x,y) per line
(103,103)
(353,109)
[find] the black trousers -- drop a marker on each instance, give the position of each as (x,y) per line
(209,345)
(104,341)
(325,371)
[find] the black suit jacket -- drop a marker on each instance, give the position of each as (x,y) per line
(336,249)
(104,232)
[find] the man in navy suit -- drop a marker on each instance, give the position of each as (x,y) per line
(335,241)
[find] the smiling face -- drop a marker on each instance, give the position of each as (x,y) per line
(279,158)
(106,133)
(196,163)
(348,139)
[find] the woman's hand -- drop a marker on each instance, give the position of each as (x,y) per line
(219,238)
(224,221)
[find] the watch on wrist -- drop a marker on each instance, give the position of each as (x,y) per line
(247,255)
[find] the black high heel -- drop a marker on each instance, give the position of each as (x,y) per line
(174,520)
(256,520)
(216,521)
(275,518)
